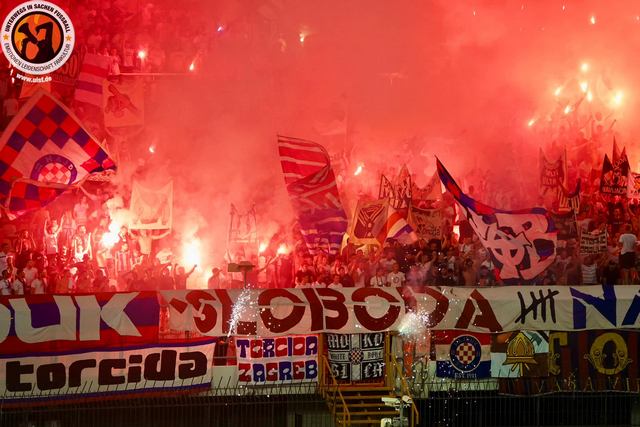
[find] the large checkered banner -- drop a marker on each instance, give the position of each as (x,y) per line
(186,365)
(356,357)
(277,360)
(44,151)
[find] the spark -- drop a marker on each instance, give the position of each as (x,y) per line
(414,324)
(558,91)
(584,86)
(142,54)
(564,7)
(263,247)
(474,12)
(584,67)
(567,109)
(220,28)
(192,66)
(243,305)
(589,96)
(282,249)
(152,149)
(358,170)
(593,19)
(191,252)
(302,36)
(531,122)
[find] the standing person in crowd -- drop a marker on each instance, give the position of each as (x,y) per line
(627,244)
(81,244)
(18,286)
(24,246)
(589,269)
(380,279)
(214,281)
(180,277)
(30,273)
(51,233)
(6,261)
(396,277)
(81,211)
(39,284)
(5,283)
(67,229)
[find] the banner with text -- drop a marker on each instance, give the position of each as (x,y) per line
(277,360)
(356,357)
(273,312)
(182,366)
(59,323)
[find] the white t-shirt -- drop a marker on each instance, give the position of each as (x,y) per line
(37,286)
(378,281)
(5,287)
(628,243)
(395,279)
(30,274)
(4,263)
(18,287)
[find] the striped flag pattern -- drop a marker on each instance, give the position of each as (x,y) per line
(397,227)
(311,185)
(94,70)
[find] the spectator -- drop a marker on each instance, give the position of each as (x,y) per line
(627,244)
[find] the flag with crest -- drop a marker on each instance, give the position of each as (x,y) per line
(522,243)
(553,175)
(615,175)
(44,151)
(376,221)
(312,187)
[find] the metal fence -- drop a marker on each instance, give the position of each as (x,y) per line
(300,405)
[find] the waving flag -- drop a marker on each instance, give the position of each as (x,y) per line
(95,69)
(376,221)
(43,152)
(522,243)
(312,188)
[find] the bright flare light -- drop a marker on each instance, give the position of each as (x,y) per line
(589,96)
(593,20)
(152,149)
(220,28)
(302,36)
(110,238)
(617,98)
(263,247)
(192,66)
(558,91)
(584,86)
(191,252)
(584,67)
(567,109)
(531,122)
(358,170)
(142,54)
(282,249)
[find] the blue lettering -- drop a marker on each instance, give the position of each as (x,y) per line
(606,306)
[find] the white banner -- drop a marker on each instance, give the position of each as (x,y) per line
(178,366)
(273,312)
(277,360)
(151,209)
